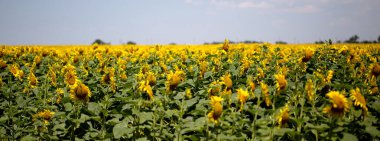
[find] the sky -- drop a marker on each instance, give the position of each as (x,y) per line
(185,21)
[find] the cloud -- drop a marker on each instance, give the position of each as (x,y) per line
(251,4)
(194,2)
(303,9)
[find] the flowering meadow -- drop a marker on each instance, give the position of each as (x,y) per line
(190,92)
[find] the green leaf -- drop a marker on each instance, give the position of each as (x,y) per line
(28,138)
(349,137)
(121,129)
(145,116)
(94,108)
(68,107)
(207,74)
(190,82)
(373,131)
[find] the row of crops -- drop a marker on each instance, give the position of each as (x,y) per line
(190,92)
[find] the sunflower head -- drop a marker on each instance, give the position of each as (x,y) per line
(188,93)
(145,87)
(173,79)
(375,71)
(226,45)
(3,64)
(227,81)
(242,96)
(70,78)
(215,88)
(308,54)
(283,117)
(46,115)
(281,82)
(32,80)
(309,88)
(265,93)
(217,109)
(339,104)
(359,99)
(80,92)
(329,76)
(150,77)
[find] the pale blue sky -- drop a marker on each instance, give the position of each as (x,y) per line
(185,21)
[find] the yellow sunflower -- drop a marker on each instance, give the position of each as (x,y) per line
(70,78)
(46,115)
(243,96)
(227,81)
(339,104)
(32,80)
(375,69)
(188,93)
(145,87)
(265,93)
(3,64)
(329,76)
(281,82)
(214,88)
(80,92)
(217,109)
(359,99)
(173,79)
(309,87)
(283,117)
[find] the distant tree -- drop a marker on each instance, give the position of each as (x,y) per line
(319,42)
(281,42)
(353,39)
(172,44)
(99,42)
(131,43)
(339,41)
(378,39)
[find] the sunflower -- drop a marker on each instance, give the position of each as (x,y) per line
(145,87)
(243,96)
(329,76)
(173,79)
(283,117)
(188,93)
(309,87)
(214,88)
(217,109)
(202,68)
(59,93)
(109,78)
(359,99)
(227,81)
(46,115)
(52,76)
(123,76)
(80,92)
(339,104)
(375,69)
(225,45)
(281,82)
(261,73)
(1,81)
(70,78)
(32,80)
(245,64)
(37,60)
(308,54)
(14,69)
(265,92)
(3,64)
(150,77)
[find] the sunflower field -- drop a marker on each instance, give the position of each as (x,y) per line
(190,92)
